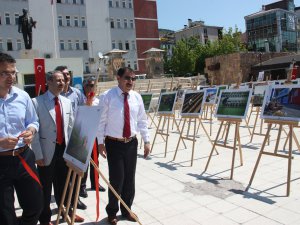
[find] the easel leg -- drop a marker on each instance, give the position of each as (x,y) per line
(63,197)
(180,137)
(240,147)
(296,140)
(214,145)
(202,125)
(167,138)
(178,129)
(278,138)
(157,130)
(194,140)
(253,131)
(227,133)
(289,160)
(234,148)
(259,156)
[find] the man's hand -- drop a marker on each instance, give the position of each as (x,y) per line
(102,150)
(8,142)
(27,136)
(40,162)
(146,150)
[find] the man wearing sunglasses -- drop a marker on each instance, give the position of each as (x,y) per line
(89,88)
(122,117)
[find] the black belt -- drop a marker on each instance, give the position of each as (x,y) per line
(124,140)
(14,152)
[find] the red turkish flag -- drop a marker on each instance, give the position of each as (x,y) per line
(40,80)
(294,73)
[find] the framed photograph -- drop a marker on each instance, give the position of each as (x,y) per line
(233,103)
(211,95)
(221,87)
(167,102)
(147,97)
(83,135)
(200,87)
(180,94)
(258,95)
(282,102)
(192,103)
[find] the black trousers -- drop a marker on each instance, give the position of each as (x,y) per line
(121,158)
(56,174)
(13,176)
(27,36)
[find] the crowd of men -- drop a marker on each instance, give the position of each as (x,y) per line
(34,134)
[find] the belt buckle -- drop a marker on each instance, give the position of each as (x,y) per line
(126,140)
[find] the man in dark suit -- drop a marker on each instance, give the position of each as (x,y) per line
(25,27)
(56,120)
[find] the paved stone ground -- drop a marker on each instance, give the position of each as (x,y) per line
(174,193)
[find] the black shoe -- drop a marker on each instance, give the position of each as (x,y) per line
(83,193)
(102,189)
(81,205)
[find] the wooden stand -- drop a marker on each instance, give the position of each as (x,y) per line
(76,173)
(208,107)
(261,126)
(236,139)
(291,125)
(166,119)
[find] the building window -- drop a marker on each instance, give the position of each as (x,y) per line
(128,64)
(120,45)
(112,23)
(131,24)
(119,23)
(17,18)
(68,21)
(60,21)
(82,2)
(58,1)
(85,45)
(0,20)
(135,65)
(127,45)
(83,24)
(9,45)
(74,2)
(124,3)
(125,23)
(77,45)
(70,45)
(7,19)
(110,3)
(133,45)
(19,45)
(1,45)
(113,44)
(62,45)
(130,4)
(76,23)
(117,4)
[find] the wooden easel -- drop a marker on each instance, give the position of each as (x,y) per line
(191,119)
(291,125)
(258,111)
(237,141)
(166,120)
(206,108)
(64,210)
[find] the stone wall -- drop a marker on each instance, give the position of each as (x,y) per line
(231,65)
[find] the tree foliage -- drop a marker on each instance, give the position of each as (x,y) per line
(189,54)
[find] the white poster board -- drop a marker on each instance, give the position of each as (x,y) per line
(261,76)
(83,135)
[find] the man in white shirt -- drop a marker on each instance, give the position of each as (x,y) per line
(123,116)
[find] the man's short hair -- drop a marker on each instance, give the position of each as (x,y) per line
(61,68)
(50,74)
(123,70)
(88,80)
(6,58)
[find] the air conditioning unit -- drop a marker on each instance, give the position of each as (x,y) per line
(91,60)
(47,55)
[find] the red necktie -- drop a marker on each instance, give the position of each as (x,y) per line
(126,129)
(59,130)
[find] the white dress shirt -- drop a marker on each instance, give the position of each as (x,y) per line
(112,115)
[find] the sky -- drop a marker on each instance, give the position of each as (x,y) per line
(174,14)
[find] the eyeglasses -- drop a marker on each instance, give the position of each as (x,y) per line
(90,85)
(66,73)
(128,78)
(6,74)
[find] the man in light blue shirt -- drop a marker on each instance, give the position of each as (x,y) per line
(18,124)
